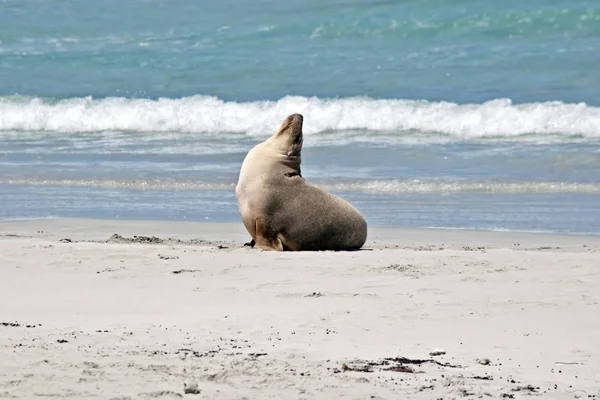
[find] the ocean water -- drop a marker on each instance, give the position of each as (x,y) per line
(428,113)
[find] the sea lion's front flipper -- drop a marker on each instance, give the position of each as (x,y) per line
(266,239)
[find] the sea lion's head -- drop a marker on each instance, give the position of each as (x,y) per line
(288,138)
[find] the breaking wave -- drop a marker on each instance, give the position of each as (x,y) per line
(203,114)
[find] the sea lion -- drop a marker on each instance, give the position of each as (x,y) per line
(282,211)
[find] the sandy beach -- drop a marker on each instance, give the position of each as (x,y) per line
(148,309)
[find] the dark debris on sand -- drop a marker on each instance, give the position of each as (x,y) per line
(17,325)
(116,238)
(180,271)
(393,364)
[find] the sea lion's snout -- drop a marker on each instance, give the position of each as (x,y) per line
(296,121)
(292,124)
(289,135)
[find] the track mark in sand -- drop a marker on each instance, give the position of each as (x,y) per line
(405,360)
(110,270)
(412,271)
(478,248)
(161,393)
(157,368)
(181,271)
(219,244)
(401,267)
(527,389)
(66,393)
(91,364)
(541,248)
(315,294)
(483,378)
(15,236)
(184,353)
(256,355)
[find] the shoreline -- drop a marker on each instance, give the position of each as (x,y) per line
(562,214)
(94,228)
(84,313)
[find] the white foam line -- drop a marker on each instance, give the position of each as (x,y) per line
(373,186)
(204,114)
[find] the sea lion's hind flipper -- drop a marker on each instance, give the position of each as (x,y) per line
(286,245)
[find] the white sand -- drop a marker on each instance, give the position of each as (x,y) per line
(114,320)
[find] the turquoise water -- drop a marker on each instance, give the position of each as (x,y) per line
(431,113)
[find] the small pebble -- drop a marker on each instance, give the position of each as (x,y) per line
(190,387)
(437,352)
(483,361)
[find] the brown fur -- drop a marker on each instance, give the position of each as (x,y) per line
(281,211)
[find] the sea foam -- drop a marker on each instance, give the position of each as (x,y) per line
(375,186)
(204,114)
